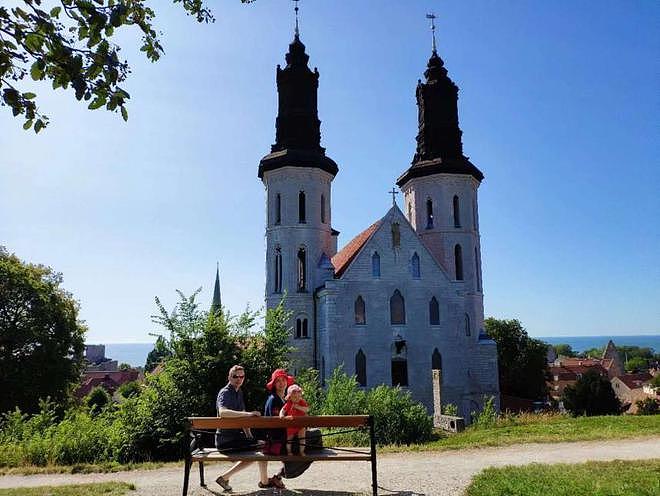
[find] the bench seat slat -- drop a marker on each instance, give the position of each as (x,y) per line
(278,423)
(325,454)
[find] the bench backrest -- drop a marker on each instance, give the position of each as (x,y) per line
(279,423)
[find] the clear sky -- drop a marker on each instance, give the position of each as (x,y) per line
(558,105)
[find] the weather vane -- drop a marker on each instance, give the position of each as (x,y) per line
(393,192)
(296,10)
(432,17)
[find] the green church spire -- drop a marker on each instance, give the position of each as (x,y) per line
(216,305)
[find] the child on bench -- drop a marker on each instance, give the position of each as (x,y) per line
(295,406)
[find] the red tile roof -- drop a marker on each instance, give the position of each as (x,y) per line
(345,256)
(634,381)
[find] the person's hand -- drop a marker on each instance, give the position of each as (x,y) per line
(255,414)
(289,417)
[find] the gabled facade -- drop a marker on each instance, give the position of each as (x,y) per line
(402,299)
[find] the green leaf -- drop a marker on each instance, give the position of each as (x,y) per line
(28,124)
(124,113)
(33,42)
(38,126)
(36,72)
(29,96)
(96,103)
(55,11)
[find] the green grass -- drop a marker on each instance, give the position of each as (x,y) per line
(84,468)
(617,478)
(545,428)
(102,489)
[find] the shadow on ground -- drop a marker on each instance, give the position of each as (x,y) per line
(314,492)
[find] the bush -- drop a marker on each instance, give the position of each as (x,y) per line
(647,406)
(487,417)
(129,389)
(450,409)
(97,399)
(592,394)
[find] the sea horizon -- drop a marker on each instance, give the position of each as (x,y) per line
(135,354)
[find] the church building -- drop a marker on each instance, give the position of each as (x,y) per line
(404,297)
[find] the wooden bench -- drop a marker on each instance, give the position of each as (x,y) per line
(200,454)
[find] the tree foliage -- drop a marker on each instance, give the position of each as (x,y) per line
(637,364)
(591,395)
(648,406)
(564,350)
(73,44)
(41,338)
(522,363)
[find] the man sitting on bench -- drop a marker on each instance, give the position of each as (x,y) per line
(230,403)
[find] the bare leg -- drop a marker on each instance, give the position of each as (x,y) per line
(263,472)
(236,467)
(289,438)
(301,440)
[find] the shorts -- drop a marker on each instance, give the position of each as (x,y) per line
(234,443)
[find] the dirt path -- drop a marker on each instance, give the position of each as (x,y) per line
(402,474)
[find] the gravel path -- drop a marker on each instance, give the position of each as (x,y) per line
(399,474)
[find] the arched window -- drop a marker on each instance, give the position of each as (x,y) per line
(429,214)
(468,332)
(458,261)
(375,265)
(434,312)
(361,368)
(436,360)
(399,363)
(302,271)
(301,328)
(278,209)
(301,207)
(360,316)
(476,270)
(396,235)
(278,270)
(322,209)
(457,213)
(414,265)
(397,309)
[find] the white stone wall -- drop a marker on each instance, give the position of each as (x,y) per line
(340,338)
(289,235)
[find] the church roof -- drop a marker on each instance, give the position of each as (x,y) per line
(345,256)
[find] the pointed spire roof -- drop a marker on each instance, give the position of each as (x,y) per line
(216,304)
(439,145)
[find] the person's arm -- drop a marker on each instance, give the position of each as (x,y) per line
(227,413)
(284,412)
(302,406)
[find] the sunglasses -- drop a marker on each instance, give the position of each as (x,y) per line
(238,377)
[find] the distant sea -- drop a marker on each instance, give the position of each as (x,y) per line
(135,354)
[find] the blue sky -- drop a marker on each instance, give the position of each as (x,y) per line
(558,106)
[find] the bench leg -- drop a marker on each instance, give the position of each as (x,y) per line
(201,474)
(186,476)
(372,442)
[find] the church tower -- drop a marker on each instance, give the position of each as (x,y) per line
(440,187)
(297,176)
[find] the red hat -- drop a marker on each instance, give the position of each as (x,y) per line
(279,373)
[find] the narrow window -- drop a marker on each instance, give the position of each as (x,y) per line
(301,207)
(360,316)
(457,213)
(458,261)
(361,368)
(436,360)
(278,209)
(302,271)
(396,235)
(476,270)
(397,309)
(399,363)
(304,334)
(434,312)
(474,213)
(415,266)
(410,218)
(278,270)
(468,332)
(298,328)
(375,265)
(429,214)
(322,209)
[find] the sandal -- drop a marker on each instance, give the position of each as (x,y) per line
(276,481)
(264,486)
(223,483)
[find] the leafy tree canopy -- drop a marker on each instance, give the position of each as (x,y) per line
(591,395)
(41,338)
(637,364)
(564,350)
(522,360)
(73,43)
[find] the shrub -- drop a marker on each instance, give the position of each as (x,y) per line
(647,406)
(97,399)
(487,417)
(592,394)
(450,409)
(129,389)
(308,380)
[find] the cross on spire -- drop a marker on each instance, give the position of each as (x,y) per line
(296,11)
(432,17)
(393,193)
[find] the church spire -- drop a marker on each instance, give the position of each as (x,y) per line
(439,145)
(297,127)
(216,304)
